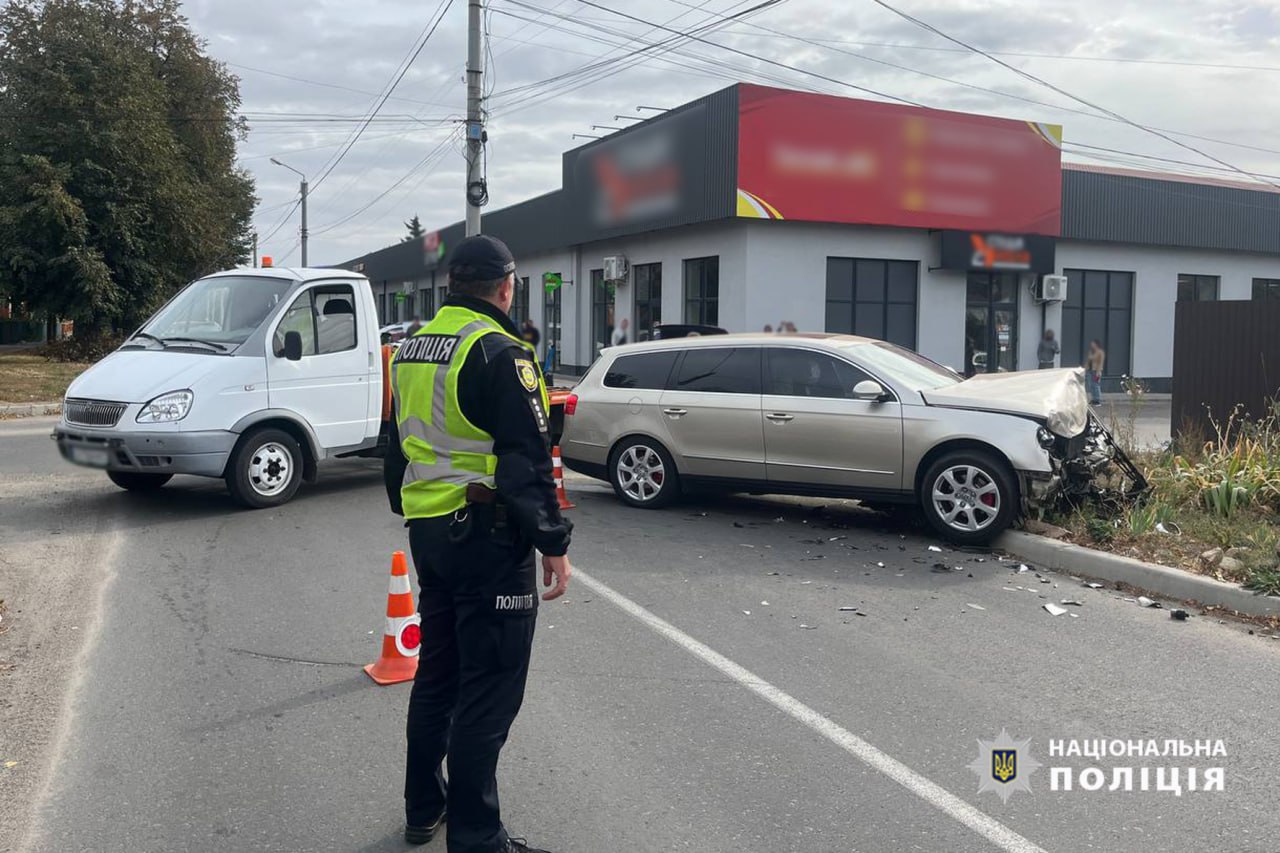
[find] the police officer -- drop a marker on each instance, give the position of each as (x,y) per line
(468,464)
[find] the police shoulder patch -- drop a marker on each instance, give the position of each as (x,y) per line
(527,373)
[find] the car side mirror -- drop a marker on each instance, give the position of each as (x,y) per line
(869,390)
(293,346)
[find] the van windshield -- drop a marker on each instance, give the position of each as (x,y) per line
(223,310)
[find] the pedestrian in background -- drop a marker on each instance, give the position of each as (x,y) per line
(1094,363)
(619,336)
(414,326)
(787,327)
(1047,350)
(469,466)
(529,333)
(768,329)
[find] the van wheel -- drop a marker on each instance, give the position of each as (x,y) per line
(136,481)
(969,497)
(265,469)
(643,474)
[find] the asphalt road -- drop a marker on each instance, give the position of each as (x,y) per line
(218,702)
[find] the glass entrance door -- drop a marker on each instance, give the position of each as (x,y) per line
(991,323)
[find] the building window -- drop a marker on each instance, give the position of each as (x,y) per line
(551,323)
(648,284)
(1099,306)
(702,291)
(873,298)
(1197,288)
(1266,289)
(426,297)
(602,301)
(520,301)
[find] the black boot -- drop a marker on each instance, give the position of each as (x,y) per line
(423,834)
(519,845)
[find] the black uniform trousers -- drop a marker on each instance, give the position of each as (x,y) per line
(479,605)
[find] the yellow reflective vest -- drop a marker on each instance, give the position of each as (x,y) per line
(444,450)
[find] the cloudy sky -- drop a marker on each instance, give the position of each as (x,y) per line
(1204,72)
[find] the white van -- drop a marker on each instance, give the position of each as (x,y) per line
(251,375)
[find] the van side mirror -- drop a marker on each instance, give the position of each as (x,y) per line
(870,390)
(293,346)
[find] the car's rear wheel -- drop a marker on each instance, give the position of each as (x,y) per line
(969,496)
(265,469)
(136,481)
(643,473)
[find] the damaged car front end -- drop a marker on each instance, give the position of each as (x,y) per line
(1085,461)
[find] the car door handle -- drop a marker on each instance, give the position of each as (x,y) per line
(675,413)
(779,416)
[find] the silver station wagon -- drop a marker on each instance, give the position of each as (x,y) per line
(835,416)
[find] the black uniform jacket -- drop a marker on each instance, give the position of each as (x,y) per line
(494,398)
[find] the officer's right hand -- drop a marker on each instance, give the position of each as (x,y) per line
(559,568)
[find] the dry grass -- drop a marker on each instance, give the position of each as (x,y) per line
(26,377)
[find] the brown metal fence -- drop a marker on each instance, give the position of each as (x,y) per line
(1225,354)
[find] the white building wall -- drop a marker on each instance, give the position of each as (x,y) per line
(1155,286)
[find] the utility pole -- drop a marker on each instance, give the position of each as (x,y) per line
(255,249)
(477,193)
(303,231)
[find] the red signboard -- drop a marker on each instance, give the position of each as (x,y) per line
(826,159)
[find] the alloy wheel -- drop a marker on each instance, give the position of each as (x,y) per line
(641,472)
(966,498)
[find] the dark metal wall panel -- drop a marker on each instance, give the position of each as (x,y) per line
(1114,208)
(1225,354)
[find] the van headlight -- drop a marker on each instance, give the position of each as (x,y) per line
(1045,438)
(166,408)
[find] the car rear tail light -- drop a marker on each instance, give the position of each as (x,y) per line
(571,404)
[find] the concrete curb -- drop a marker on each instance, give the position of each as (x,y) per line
(1173,583)
(26,410)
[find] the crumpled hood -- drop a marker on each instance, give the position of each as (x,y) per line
(1058,396)
(137,376)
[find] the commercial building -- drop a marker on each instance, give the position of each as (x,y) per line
(755,206)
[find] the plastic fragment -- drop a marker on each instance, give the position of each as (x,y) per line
(847,609)
(1054,610)
(764,604)
(935,549)
(1143,601)
(975,606)
(1092,585)
(1073,602)
(746,613)
(808,627)
(1023,568)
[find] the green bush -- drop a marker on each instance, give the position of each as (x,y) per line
(81,349)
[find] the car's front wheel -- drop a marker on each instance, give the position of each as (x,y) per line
(265,469)
(969,496)
(136,481)
(643,473)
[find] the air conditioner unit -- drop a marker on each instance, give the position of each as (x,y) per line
(615,268)
(1052,288)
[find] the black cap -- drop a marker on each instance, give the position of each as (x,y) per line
(481,258)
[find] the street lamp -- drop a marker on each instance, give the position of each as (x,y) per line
(304,206)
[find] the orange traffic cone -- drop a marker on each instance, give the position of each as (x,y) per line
(557,473)
(403,635)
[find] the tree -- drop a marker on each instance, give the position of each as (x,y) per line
(416,231)
(118,181)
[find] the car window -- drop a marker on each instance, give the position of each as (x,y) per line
(644,370)
(335,319)
(297,319)
(902,365)
(324,316)
(720,370)
(805,373)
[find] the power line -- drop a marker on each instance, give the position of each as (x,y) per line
(1029,76)
(1061,56)
(441,11)
(328,85)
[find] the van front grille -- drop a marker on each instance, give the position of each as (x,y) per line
(94,413)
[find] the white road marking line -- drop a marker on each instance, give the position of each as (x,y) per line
(936,796)
(27,432)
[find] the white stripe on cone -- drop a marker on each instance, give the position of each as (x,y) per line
(400,584)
